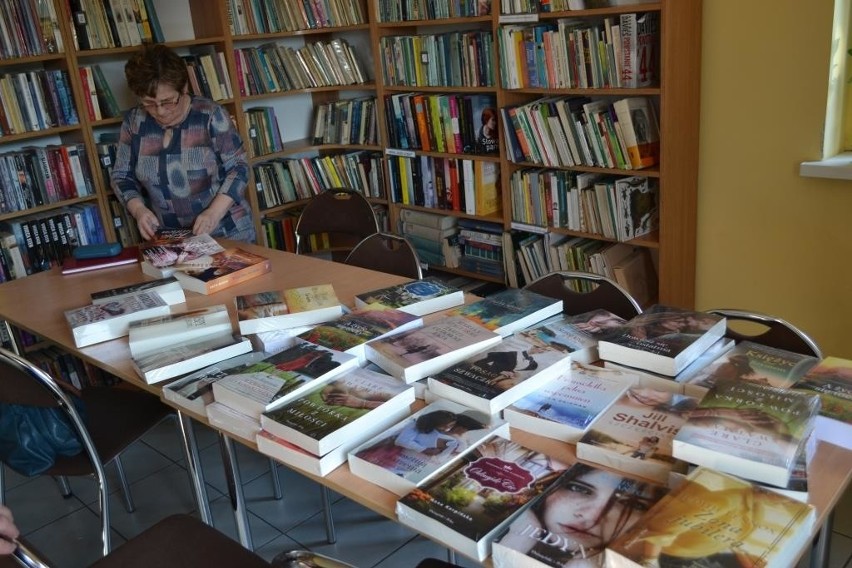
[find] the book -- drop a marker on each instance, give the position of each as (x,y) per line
(635,433)
(274,341)
(227,268)
(495,378)
(180,358)
(419,297)
(255,388)
(101,322)
(748,429)
(169,290)
(509,310)
(150,334)
(420,446)
(415,354)
(663,339)
(474,499)
(281,309)
(334,411)
(639,127)
(578,334)
(831,379)
(226,419)
(432,220)
(714,519)
(566,407)
(350,332)
(171,247)
(574,519)
(128,255)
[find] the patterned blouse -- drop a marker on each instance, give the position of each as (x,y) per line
(204,157)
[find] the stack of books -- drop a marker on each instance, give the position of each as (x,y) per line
(432,236)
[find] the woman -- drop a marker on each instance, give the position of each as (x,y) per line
(180,161)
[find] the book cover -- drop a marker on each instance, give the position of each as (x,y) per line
(418,447)
(748,429)
(493,379)
(101,322)
(150,334)
(271,342)
(168,288)
(579,334)
(470,502)
(328,414)
(415,354)
(509,310)
(831,379)
(663,339)
(181,358)
(224,269)
(714,519)
(419,297)
(640,130)
(170,247)
(566,407)
(128,255)
(573,520)
(635,433)
(281,309)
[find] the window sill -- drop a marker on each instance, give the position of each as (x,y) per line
(836,167)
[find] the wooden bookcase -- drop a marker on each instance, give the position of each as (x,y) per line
(189,23)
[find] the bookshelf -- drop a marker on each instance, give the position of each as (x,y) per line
(192,25)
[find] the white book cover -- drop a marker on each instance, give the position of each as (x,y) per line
(225,418)
(101,322)
(282,309)
(181,358)
(168,288)
(151,334)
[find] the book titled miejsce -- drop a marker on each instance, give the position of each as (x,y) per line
(493,379)
(419,297)
(715,519)
(168,288)
(474,499)
(572,521)
(101,322)
(566,407)
(748,429)
(255,388)
(180,358)
(282,309)
(421,445)
(831,379)
(415,354)
(339,410)
(578,333)
(663,339)
(147,335)
(222,270)
(509,310)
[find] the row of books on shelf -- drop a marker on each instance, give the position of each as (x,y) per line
(268,16)
(405,10)
(208,73)
(40,175)
(36,100)
(457,58)
(442,122)
(28,29)
(346,121)
(99,98)
(550,6)
(263,129)
(102,24)
(272,68)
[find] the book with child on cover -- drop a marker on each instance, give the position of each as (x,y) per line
(282,309)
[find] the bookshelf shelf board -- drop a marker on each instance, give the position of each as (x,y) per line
(609,92)
(32,59)
(466,273)
(304,145)
(297,33)
(391,25)
(480,157)
(47,207)
(497,218)
(611,11)
(291,92)
(39,133)
(430,89)
(653,172)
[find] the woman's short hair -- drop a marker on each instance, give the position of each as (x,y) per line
(152,65)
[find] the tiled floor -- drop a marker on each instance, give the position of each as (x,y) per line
(67,531)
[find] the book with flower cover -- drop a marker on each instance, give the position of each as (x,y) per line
(101,322)
(509,310)
(222,270)
(419,297)
(282,309)
(474,499)
(831,379)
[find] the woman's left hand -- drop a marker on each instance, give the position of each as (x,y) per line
(205,223)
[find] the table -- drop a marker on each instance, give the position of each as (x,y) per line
(37,303)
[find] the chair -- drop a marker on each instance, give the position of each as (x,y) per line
(344,215)
(386,253)
(606,294)
(775,332)
(115,418)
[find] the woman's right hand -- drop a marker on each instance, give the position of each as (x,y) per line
(147,222)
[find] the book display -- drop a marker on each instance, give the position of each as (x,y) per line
(510,310)
(101,322)
(184,357)
(831,379)
(169,290)
(150,334)
(297,307)
(418,298)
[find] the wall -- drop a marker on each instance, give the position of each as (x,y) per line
(769,240)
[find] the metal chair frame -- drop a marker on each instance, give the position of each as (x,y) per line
(386,252)
(608,294)
(779,333)
(325,214)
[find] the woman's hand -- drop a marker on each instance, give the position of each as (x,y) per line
(205,223)
(146,221)
(8,531)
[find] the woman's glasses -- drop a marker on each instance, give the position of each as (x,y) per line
(168,104)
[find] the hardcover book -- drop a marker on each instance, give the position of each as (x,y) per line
(748,429)
(509,310)
(71,265)
(714,519)
(663,339)
(418,353)
(419,297)
(566,407)
(328,414)
(223,269)
(635,433)
(295,307)
(181,358)
(171,247)
(101,322)
(150,334)
(574,519)
(580,333)
(420,446)
(493,379)
(475,498)
(168,288)
(831,379)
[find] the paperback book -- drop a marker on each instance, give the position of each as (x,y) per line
(418,353)
(101,322)
(222,270)
(573,520)
(509,310)
(171,247)
(580,333)
(271,342)
(714,519)
(169,290)
(635,433)
(282,309)
(151,334)
(567,406)
(225,418)
(831,379)
(421,445)
(331,413)
(475,498)
(493,379)
(419,297)
(748,429)
(181,358)
(663,339)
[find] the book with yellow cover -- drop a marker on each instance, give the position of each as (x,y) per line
(283,309)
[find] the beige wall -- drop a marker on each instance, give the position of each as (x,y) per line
(769,240)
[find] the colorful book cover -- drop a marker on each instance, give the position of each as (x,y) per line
(181,358)
(832,380)
(509,310)
(170,247)
(360,326)
(418,297)
(277,309)
(579,333)
(222,270)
